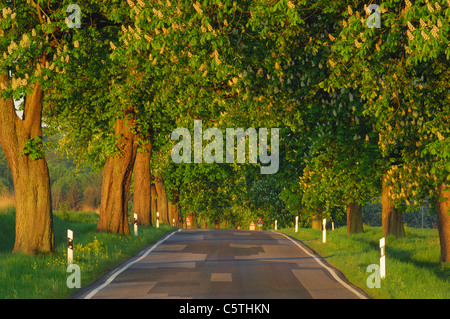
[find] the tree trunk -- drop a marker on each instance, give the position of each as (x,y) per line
(142,186)
(354,218)
(175,213)
(34,216)
(316,220)
(153,202)
(391,218)
(117,179)
(162,204)
(443,219)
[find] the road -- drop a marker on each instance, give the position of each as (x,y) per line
(218,264)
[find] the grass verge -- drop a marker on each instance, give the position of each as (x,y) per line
(413,270)
(44,276)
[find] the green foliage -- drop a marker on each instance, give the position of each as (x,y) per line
(74,187)
(34,148)
(352,103)
(401,73)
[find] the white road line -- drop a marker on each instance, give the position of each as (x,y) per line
(120,270)
(319,261)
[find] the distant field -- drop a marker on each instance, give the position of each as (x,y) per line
(45,277)
(412,263)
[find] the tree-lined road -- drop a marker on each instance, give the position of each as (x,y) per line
(215,264)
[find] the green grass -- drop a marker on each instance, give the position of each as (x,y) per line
(25,277)
(413,270)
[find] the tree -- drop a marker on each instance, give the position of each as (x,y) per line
(97,110)
(26,63)
(207,60)
(142,182)
(401,71)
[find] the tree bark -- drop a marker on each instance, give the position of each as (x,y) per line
(142,186)
(316,220)
(34,215)
(175,213)
(161,200)
(443,219)
(117,179)
(153,201)
(391,218)
(354,218)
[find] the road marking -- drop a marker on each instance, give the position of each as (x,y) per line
(319,261)
(118,272)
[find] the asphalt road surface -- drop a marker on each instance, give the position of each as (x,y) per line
(218,264)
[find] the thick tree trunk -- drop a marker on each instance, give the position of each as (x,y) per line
(117,180)
(316,220)
(391,218)
(142,186)
(443,219)
(161,199)
(34,216)
(354,218)
(175,213)
(153,201)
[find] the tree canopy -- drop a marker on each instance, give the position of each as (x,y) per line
(362,110)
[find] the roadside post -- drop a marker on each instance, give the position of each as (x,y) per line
(157,219)
(69,246)
(135,223)
(324,230)
(276,224)
(382,258)
(296,223)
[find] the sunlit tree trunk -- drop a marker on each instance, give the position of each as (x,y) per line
(161,200)
(117,179)
(34,219)
(142,186)
(316,219)
(175,212)
(391,218)
(354,218)
(443,219)
(153,201)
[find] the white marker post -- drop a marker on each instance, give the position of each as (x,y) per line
(157,219)
(69,246)
(332,225)
(135,225)
(276,224)
(324,230)
(296,223)
(173,221)
(382,258)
